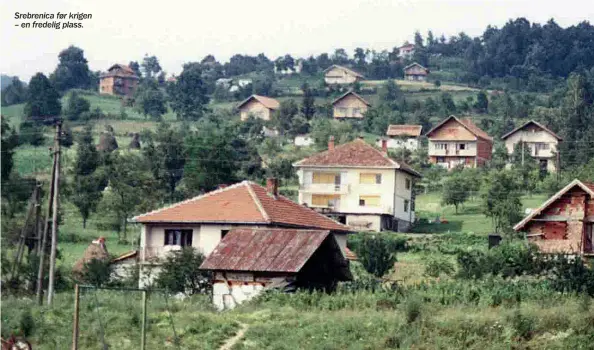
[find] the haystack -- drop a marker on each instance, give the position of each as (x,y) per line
(95,250)
(135,143)
(107,142)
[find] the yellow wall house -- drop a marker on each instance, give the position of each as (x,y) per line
(359,185)
(350,105)
(340,75)
(258,107)
(539,140)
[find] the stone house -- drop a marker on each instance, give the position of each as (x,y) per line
(539,140)
(455,142)
(340,75)
(359,185)
(565,222)
(118,80)
(258,106)
(350,105)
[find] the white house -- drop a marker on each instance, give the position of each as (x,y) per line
(538,140)
(359,185)
(403,136)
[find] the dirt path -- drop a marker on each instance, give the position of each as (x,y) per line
(237,337)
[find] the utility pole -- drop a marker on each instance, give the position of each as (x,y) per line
(55,209)
(43,242)
(522,153)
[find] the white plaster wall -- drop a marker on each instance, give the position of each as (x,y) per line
(375,221)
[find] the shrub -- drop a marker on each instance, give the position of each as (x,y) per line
(97,272)
(437,266)
(376,254)
(180,273)
(26,323)
(413,309)
(523,325)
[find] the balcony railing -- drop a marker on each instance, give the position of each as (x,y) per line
(153,253)
(324,188)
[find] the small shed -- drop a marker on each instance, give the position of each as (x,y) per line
(415,72)
(247,261)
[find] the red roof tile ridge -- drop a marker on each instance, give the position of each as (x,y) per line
(528,123)
(196,198)
(257,201)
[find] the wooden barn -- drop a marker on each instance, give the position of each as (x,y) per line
(249,260)
(564,223)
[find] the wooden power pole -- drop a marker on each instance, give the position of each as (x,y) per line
(43,238)
(55,209)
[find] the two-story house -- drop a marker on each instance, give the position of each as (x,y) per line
(539,140)
(118,80)
(359,185)
(350,105)
(564,224)
(258,106)
(201,222)
(340,75)
(455,142)
(406,51)
(415,72)
(403,136)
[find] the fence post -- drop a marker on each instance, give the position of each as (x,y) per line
(75,321)
(143,332)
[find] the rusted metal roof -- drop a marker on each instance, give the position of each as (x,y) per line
(265,250)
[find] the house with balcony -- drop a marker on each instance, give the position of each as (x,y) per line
(339,75)
(406,51)
(539,140)
(564,224)
(119,79)
(258,106)
(201,222)
(403,136)
(359,185)
(458,142)
(350,105)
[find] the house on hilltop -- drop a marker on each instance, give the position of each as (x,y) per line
(340,75)
(565,222)
(415,72)
(455,142)
(359,185)
(539,140)
(403,136)
(258,106)
(350,105)
(406,51)
(118,80)
(201,222)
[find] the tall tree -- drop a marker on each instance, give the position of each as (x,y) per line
(455,191)
(188,95)
(308,107)
(72,70)
(150,65)
(87,185)
(75,106)
(9,143)
(135,66)
(501,200)
(42,98)
(149,99)
(14,93)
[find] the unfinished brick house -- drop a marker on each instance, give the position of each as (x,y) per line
(119,80)
(564,223)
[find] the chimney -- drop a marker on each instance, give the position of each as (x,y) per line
(331,143)
(385,145)
(272,186)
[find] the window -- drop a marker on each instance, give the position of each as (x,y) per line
(356,112)
(341,111)
(324,200)
(370,178)
(407,183)
(224,233)
(406,203)
(441,159)
(326,178)
(369,201)
(441,146)
(462,146)
(542,146)
(178,237)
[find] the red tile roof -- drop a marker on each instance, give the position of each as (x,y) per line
(268,102)
(586,186)
(120,70)
(467,123)
(357,153)
(533,122)
(242,203)
(270,250)
(350,255)
(404,130)
(351,93)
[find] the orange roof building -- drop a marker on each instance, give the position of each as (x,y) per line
(119,79)
(359,185)
(258,106)
(403,136)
